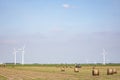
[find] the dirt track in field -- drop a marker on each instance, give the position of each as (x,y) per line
(14,74)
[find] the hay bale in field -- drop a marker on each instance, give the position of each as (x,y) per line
(2,65)
(66,66)
(76,69)
(63,69)
(95,72)
(70,66)
(114,71)
(77,65)
(109,71)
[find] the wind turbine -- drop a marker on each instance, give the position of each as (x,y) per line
(23,54)
(104,56)
(19,50)
(14,56)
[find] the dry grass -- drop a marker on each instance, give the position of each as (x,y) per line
(54,73)
(3,78)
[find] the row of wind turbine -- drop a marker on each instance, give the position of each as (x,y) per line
(22,53)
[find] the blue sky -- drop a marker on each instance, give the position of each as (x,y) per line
(60,31)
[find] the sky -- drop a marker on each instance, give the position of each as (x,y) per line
(60,31)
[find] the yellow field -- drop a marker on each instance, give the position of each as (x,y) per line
(54,73)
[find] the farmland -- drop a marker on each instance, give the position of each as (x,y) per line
(53,72)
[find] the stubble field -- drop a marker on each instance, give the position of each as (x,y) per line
(55,73)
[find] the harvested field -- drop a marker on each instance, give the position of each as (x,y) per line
(54,73)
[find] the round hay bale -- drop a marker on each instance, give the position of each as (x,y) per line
(95,72)
(114,71)
(62,69)
(70,66)
(109,71)
(2,65)
(77,65)
(93,67)
(76,69)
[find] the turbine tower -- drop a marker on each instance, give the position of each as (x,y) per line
(23,54)
(14,56)
(104,56)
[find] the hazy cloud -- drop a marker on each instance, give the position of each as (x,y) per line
(66,6)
